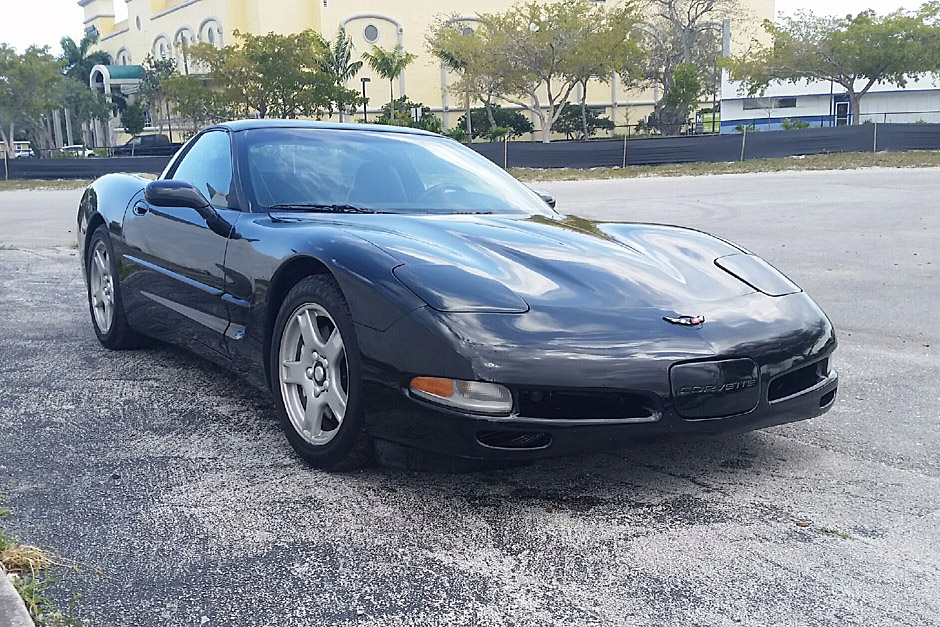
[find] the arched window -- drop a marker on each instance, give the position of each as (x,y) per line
(124,57)
(184,37)
(161,48)
(210,32)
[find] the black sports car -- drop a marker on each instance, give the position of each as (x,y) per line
(389,284)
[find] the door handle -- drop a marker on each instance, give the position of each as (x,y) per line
(140,209)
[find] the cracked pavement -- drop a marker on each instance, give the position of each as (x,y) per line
(168,482)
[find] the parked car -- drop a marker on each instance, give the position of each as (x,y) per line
(389,284)
(147,146)
(77,151)
(24,153)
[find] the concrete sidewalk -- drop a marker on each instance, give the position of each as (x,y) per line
(12,609)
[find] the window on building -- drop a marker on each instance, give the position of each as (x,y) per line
(161,47)
(211,32)
(371,33)
(124,57)
(184,37)
(769,103)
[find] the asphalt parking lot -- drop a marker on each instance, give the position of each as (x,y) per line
(167,481)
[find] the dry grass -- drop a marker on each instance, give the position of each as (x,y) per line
(841,161)
(23,558)
(29,566)
(15,185)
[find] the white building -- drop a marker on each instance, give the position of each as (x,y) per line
(823,104)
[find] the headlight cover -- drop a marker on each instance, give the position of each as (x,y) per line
(757,273)
(477,397)
(451,289)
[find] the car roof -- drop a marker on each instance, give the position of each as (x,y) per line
(246,125)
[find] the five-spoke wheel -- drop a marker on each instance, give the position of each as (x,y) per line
(104,294)
(101,287)
(315,372)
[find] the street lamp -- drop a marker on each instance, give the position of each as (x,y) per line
(365,119)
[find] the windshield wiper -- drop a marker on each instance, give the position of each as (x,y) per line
(320,207)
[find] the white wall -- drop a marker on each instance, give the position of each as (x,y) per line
(886,102)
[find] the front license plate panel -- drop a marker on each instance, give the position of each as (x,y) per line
(715,389)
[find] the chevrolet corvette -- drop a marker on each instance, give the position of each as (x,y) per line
(390,285)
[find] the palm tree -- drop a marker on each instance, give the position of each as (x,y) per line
(337,63)
(77,60)
(389,64)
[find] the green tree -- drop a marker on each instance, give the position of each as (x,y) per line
(389,64)
(30,86)
(614,48)
(684,32)
(676,105)
(153,90)
(575,121)
(483,121)
(535,54)
(853,50)
(78,58)
(269,75)
(404,116)
(133,119)
(465,53)
(338,64)
(196,103)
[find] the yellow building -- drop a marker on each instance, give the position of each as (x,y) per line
(163,27)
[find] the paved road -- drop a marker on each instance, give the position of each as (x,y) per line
(171,477)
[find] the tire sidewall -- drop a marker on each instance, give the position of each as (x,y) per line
(101,234)
(324,292)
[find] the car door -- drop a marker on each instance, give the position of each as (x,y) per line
(174,257)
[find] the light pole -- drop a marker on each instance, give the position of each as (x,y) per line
(365,114)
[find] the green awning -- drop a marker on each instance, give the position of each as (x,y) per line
(119,72)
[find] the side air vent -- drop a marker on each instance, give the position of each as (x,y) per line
(798,381)
(517,440)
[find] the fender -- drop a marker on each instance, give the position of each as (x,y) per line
(105,201)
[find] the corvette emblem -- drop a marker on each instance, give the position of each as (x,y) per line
(686,321)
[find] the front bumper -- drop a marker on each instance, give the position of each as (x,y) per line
(394,416)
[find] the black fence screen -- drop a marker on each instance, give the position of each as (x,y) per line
(590,154)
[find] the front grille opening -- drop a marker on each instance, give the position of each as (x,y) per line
(584,405)
(827,399)
(514,439)
(798,381)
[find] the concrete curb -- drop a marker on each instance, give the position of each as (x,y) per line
(12,609)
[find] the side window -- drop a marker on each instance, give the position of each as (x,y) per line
(208,166)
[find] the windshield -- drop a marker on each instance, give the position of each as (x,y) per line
(376,171)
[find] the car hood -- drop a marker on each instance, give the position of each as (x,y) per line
(476,262)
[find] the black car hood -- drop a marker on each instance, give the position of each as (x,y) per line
(567,262)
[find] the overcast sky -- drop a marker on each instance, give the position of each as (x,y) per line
(45,22)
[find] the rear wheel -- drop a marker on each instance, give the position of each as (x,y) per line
(104,295)
(315,368)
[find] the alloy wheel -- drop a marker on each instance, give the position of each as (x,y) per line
(101,287)
(313,374)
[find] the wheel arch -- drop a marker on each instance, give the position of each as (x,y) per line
(285,278)
(94,222)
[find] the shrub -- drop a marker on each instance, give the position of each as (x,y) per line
(795,125)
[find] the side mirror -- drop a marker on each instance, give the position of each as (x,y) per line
(169,193)
(545,196)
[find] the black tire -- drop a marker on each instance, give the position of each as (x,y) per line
(119,335)
(350,447)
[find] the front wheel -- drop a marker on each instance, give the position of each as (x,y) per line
(104,295)
(315,366)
